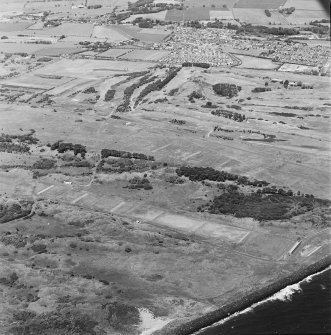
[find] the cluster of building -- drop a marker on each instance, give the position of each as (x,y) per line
(283,51)
(196,45)
(211,45)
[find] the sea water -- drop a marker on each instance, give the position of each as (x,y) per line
(302,308)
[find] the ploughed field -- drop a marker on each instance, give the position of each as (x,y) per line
(127,186)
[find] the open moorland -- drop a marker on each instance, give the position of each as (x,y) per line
(151,173)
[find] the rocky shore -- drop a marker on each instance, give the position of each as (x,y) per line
(245,301)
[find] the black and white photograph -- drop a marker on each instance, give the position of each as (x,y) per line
(165,167)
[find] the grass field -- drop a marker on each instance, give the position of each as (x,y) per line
(12,27)
(302,16)
(220,4)
(153,16)
(148,55)
(287,67)
(265,4)
(81,68)
(114,53)
(144,34)
(69,29)
(254,16)
(58,51)
(112,35)
(19,48)
(304,4)
(33,81)
(221,15)
(189,14)
(249,62)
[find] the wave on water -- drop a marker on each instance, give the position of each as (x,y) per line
(311,277)
(283,295)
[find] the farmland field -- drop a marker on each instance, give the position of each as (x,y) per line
(34,81)
(112,35)
(153,16)
(254,16)
(304,4)
(219,5)
(221,15)
(302,16)
(81,68)
(19,48)
(249,62)
(58,51)
(144,34)
(114,53)
(265,4)
(148,55)
(71,29)
(189,14)
(13,27)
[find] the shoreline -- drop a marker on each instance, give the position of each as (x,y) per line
(241,303)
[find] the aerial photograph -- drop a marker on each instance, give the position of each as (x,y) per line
(165,167)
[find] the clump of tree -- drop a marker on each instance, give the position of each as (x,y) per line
(226,90)
(190,64)
(261,89)
(94,6)
(110,95)
(125,105)
(44,164)
(137,183)
(195,173)
(267,12)
(124,154)
(229,115)
(287,11)
(195,95)
(178,122)
(259,206)
(63,147)
(61,321)
(90,90)
(158,84)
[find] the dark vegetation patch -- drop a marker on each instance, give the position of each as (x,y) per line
(226,90)
(284,114)
(16,240)
(304,108)
(229,115)
(125,154)
(110,95)
(90,90)
(137,183)
(203,65)
(62,147)
(195,173)
(261,207)
(195,95)
(261,89)
(178,122)
(64,321)
(123,317)
(125,105)
(44,164)
(158,85)
(120,165)
(9,281)
(11,210)
(173,91)
(17,143)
